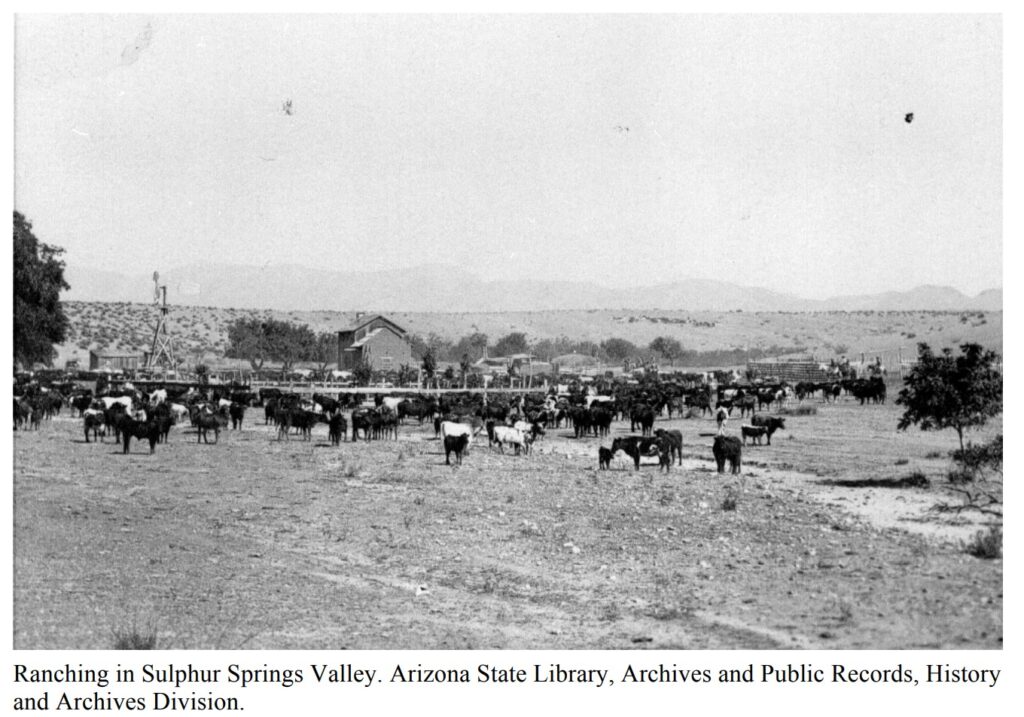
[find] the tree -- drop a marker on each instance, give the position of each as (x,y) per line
(39,319)
(946,391)
(429,365)
(619,350)
(666,347)
(363,373)
(257,340)
(247,339)
(324,351)
(464,367)
(513,343)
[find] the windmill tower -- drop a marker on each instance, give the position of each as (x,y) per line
(161,354)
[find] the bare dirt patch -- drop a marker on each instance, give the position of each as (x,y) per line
(260,543)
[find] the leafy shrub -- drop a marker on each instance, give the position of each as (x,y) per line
(133,640)
(987,545)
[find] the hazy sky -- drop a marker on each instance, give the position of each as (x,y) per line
(768,151)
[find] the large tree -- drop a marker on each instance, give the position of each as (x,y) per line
(667,348)
(258,340)
(513,343)
(619,349)
(946,391)
(39,320)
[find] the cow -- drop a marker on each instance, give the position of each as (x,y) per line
(644,416)
(139,429)
(770,424)
(755,433)
(455,444)
(637,446)
(329,405)
(82,403)
(237,413)
(512,436)
(336,428)
(210,422)
(674,440)
(94,424)
(534,429)
(452,429)
(604,458)
(721,416)
(110,401)
(728,448)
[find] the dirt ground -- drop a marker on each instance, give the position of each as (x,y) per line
(260,543)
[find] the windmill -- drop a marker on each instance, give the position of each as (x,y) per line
(162,352)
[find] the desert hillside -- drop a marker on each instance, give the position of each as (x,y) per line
(200,333)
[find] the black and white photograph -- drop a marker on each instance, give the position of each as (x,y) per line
(518,332)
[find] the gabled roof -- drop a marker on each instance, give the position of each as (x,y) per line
(373,318)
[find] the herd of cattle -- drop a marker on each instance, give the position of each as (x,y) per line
(507,420)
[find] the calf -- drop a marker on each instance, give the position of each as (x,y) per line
(754,433)
(604,458)
(727,448)
(457,445)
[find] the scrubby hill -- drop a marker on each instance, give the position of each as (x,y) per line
(200,333)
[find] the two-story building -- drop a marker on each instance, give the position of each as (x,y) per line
(380,342)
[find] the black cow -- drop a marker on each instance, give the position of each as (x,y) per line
(636,446)
(336,428)
(237,413)
(210,422)
(604,458)
(674,440)
(728,448)
(94,424)
(139,429)
(770,424)
(456,444)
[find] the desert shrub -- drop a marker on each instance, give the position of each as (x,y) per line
(132,639)
(977,458)
(799,411)
(933,454)
(731,500)
(960,475)
(986,544)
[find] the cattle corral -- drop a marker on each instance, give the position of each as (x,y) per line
(256,542)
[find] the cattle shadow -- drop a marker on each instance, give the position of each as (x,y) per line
(911,481)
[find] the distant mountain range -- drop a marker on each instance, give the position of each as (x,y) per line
(438,288)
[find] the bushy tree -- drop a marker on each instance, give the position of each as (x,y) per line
(429,366)
(363,373)
(946,391)
(464,367)
(667,348)
(513,343)
(619,349)
(257,340)
(39,319)
(324,350)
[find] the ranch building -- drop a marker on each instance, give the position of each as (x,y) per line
(113,360)
(380,342)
